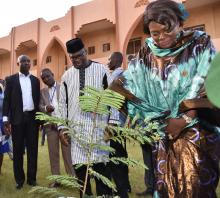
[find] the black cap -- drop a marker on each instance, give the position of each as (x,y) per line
(74,45)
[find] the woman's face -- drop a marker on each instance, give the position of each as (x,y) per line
(163,37)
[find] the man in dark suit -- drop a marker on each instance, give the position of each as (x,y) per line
(21,102)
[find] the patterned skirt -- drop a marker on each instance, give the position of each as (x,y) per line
(188,166)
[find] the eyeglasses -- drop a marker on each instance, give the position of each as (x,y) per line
(78,56)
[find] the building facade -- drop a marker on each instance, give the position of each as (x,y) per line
(104,25)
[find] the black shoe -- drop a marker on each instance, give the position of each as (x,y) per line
(129,189)
(32,183)
(19,186)
(54,185)
(145,193)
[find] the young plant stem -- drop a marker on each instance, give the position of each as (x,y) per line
(90,149)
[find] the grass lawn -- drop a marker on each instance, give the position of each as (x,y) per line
(7,183)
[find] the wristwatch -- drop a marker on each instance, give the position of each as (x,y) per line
(187,119)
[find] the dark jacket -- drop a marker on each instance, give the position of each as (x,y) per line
(13,104)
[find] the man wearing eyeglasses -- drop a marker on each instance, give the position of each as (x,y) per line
(83,73)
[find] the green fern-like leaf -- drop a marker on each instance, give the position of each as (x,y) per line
(128,161)
(99,101)
(103,147)
(40,192)
(105,180)
(65,180)
(50,119)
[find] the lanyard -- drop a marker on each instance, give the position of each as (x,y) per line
(53,93)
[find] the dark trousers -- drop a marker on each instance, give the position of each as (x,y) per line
(43,136)
(119,172)
(101,188)
(25,133)
(149,177)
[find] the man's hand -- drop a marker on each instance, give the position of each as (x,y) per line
(7,128)
(49,108)
(107,134)
(64,138)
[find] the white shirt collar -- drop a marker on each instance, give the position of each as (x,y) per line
(22,75)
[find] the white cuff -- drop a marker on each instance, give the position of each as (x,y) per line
(61,127)
(5,118)
(111,121)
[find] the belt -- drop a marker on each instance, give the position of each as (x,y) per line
(28,112)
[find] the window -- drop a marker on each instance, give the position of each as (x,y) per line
(48,59)
(34,62)
(106,47)
(134,45)
(91,50)
(197,27)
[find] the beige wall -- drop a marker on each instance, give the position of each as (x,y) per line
(5,65)
(93,11)
(97,39)
(5,43)
(57,65)
(122,18)
(208,15)
(25,32)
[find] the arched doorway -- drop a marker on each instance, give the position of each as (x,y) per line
(55,58)
(135,38)
(5,64)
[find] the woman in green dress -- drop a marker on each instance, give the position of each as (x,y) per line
(168,79)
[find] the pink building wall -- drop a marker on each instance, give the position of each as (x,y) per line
(97,22)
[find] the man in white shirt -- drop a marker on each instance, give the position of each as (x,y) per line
(21,102)
(84,72)
(119,172)
(49,104)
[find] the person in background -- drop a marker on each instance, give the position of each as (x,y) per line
(2,150)
(119,171)
(49,104)
(21,102)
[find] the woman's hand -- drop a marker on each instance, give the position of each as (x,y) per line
(174,127)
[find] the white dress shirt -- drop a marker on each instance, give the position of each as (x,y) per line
(26,90)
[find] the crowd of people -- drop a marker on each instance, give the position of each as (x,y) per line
(167,76)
